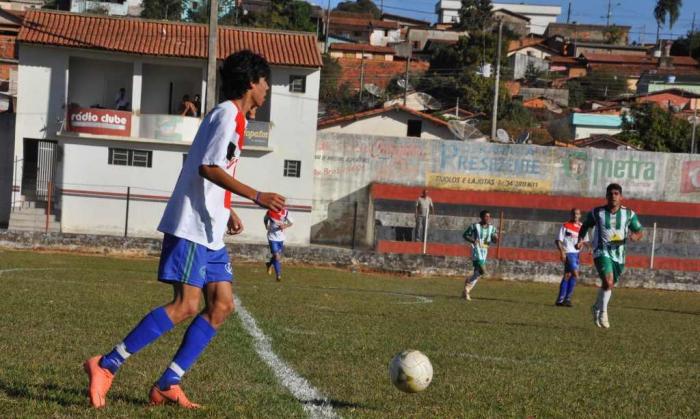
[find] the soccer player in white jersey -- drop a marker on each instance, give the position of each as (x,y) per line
(613,224)
(194,259)
(276,222)
(479,235)
(566,243)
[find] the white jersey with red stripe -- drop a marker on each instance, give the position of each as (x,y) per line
(274,221)
(568,236)
(199,210)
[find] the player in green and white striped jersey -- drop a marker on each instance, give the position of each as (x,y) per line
(480,235)
(613,224)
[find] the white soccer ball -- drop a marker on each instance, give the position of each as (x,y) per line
(411,371)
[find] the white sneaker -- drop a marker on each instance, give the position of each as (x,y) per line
(465,295)
(604,319)
(596,315)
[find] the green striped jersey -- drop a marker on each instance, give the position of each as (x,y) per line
(483,235)
(611,230)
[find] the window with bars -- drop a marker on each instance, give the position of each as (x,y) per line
(292,168)
(128,157)
(297,84)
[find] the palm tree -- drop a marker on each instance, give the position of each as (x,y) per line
(672,8)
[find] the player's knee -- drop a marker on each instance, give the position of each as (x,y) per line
(222,309)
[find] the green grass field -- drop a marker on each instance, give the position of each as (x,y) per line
(510,352)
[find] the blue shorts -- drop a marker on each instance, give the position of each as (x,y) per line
(186,262)
(572,262)
(276,247)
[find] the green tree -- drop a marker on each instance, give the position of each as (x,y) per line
(532,73)
(475,15)
(687,45)
(337,98)
(663,8)
(293,15)
(163,9)
(654,129)
(226,14)
(359,6)
(615,35)
(596,86)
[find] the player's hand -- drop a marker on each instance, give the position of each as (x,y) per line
(579,245)
(563,257)
(271,201)
(635,237)
(235,225)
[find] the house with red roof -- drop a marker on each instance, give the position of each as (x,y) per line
(390,121)
(109,160)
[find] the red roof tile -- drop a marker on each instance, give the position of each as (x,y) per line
(361,47)
(335,120)
(171,39)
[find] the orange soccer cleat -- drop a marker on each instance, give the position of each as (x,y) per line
(100,380)
(172,395)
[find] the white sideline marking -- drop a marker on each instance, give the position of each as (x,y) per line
(313,402)
(419,299)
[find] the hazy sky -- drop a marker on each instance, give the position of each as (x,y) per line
(635,13)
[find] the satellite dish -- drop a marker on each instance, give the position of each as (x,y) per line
(373,90)
(523,138)
(402,84)
(502,136)
(466,132)
(694,120)
(428,101)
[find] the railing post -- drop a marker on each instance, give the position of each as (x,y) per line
(354,225)
(500,231)
(126,218)
(653,245)
(48,205)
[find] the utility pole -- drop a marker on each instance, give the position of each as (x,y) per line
(568,14)
(362,74)
(695,124)
(328,27)
(692,37)
(609,11)
(405,86)
(494,118)
(212,52)
(381,7)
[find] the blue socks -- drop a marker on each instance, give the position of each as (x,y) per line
(150,328)
(570,291)
(277,265)
(197,337)
(566,289)
(563,289)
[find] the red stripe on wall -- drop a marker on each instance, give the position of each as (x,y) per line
(516,200)
(509,253)
(163,198)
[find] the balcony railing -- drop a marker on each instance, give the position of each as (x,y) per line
(164,128)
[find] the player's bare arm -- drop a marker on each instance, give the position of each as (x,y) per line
(218,176)
(562,251)
(636,236)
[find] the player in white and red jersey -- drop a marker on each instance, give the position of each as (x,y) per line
(194,259)
(566,243)
(276,222)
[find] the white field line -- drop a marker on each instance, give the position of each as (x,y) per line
(314,403)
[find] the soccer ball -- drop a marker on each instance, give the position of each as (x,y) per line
(410,371)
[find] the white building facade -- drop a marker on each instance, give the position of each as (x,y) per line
(540,15)
(113,170)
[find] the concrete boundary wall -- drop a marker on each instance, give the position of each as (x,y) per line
(421,265)
(346,164)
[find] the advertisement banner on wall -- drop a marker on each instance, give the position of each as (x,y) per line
(488,183)
(99,121)
(257,134)
(690,177)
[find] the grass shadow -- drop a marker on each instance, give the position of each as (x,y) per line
(664,310)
